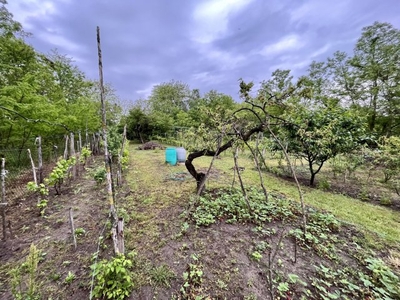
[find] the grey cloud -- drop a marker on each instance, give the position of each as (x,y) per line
(147,42)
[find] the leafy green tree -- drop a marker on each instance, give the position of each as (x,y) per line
(370,79)
(169,98)
(321,133)
(39,92)
(138,124)
(388,156)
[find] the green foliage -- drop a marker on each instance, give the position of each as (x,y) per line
(323,184)
(322,133)
(346,283)
(169,98)
(113,278)
(114,141)
(387,283)
(41,188)
(255,255)
(319,234)
(139,124)
(230,205)
(162,276)
(85,154)
(59,173)
(192,280)
(125,159)
(99,175)
(42,205)
(69,278)
(24,285)
(388,156)
(80,231)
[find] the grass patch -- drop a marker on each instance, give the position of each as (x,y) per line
(376,219)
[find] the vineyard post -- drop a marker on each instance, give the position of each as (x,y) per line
(33,167)
(121,154)
(3,203)
(40,159)
(66,147)
(107,158)
(80,141)
(72,152)
(104,126)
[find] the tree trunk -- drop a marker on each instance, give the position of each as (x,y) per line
(199,177)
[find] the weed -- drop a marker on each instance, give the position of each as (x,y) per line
(69,278)
(25,228)
(162,276)
(193,278)
(250,297)
(385,200)
(222,285)
(323,184)
(42,205)
(80,231)
(363,194)
(24,278)
(231,206)
(387,283)
(255,255)
(55,276)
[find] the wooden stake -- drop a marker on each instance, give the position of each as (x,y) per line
(40,159)
(66,147)
(71,222)
(33,167)
(121,154)
(3,196)
(72,152)
(107,159)
(120,236)
(80,141)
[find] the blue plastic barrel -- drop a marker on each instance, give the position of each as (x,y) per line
(170,156)
(181,153)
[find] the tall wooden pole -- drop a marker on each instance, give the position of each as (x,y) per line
(3,196)
(104,125)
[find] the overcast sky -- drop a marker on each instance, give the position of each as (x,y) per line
(208,44)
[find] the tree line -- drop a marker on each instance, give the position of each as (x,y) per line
(338,105)
(44,94)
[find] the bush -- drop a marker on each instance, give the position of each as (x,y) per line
(114,278)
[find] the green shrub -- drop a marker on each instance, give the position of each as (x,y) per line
(113,278)
(323,184)
(385,200)
(100,175)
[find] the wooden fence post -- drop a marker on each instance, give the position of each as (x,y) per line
(40,159)
(3,203)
